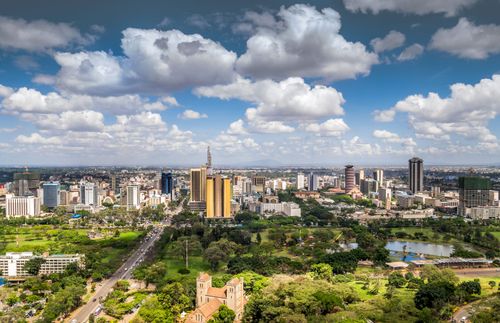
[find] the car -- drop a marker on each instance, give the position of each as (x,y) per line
(94,300)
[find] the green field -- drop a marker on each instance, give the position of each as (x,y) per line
(196,265)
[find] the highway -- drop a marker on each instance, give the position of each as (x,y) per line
(82,314)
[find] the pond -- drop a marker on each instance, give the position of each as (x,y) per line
(413,248)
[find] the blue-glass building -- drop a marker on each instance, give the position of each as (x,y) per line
(51,196)
(167,183)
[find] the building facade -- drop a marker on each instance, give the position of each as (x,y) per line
(300,181)
(167,183)
(12,263)
(18,206)
(473,191)
(133,197)
(88,194)
(350,182)
(416,174)
(51,197)
(218,198)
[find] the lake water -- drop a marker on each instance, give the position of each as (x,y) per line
(414,248)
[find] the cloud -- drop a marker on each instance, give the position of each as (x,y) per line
(384,115)
(25,100)
(37,139)
(466,112)
(155,62)
(392,137)
(39,35)
(191,114)
(198,20)
(68,120)
(420,7)
(165,22)
(290,99)
(237,128)
(467,40)
(329,128)
(303,42)
(394,39)
(26,63)
(411,52)
(355,146)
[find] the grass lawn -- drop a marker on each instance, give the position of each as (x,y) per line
(196,265)
(486,290)
(496,234)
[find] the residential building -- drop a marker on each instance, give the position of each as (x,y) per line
(209,299)
(313,182)
(51,197)
(18,206)
(12,263)
(416,174)
(473,191)
(218,197)
(349,178)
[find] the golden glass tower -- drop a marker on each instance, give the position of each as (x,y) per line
(218,197)
(198,178)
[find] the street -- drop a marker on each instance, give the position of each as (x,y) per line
(82,314)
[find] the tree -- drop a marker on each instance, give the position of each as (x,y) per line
(214,256)
(434,274)
(33,265)
(185,246)
(492,283)
(396,279)
(259,238)
(223,315)
(322,271)
(434,294)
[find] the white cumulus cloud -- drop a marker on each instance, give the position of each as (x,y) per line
(394,39)
(191,114)
(419,7)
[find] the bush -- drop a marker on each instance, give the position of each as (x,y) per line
(183,271)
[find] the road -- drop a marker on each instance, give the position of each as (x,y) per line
(124,272)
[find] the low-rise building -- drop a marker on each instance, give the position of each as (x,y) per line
(483,212)
(17,206)
(12,263)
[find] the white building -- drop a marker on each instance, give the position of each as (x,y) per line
(16,206)
(291,209)
(12,264)
(88,194)
(133,197)
(385,195)
(300,181)
(483,212)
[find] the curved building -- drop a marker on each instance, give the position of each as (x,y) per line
(349,178)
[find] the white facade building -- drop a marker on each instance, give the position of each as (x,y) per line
(16,206)
(12,263)
(483,212)
(291,209)
(88,194)
(300,181)
(133,197)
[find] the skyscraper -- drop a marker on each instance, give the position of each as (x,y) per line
(378,175)
(313,182)
(133,197)
(360,176)
(300,181)
(473,191)
(416,174)
(88,194)
(167,183)
(51,196)
(113,183)
(209,161)
(349,178)
(218,197)
(198,181)
(26,183)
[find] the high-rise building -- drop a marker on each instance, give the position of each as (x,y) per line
(16,206)
(113,183)
(258,183)
(378,175)
(385,195)
(360,176)
(26,183)
(218,197)
(133,197)
(63,197)
(51,196)
(300,181)
(209,161)
(368,186)
(416,174)
(167,183)
(349,178)
(198,182)
(88,194)
(313,182)
(473,191)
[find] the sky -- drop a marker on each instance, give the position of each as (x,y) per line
(318,83)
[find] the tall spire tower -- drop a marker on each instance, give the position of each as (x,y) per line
(209,161)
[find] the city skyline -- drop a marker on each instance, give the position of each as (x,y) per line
(342,82)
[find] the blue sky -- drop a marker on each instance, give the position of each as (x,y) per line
(316,83)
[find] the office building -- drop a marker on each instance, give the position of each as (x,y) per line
(349,178)
(313,182)
(258,183)
(18,206)
(198,182)
(360,176)
(88,194)
(368,186)
(12,263)
(416,174)
(133,197)
(300,181)
(378,175)
(218,198)
(385,195)
(113,183)
(26,183)
(167,183)
(64,197)
(473,191)
(209,162)
(51,197)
